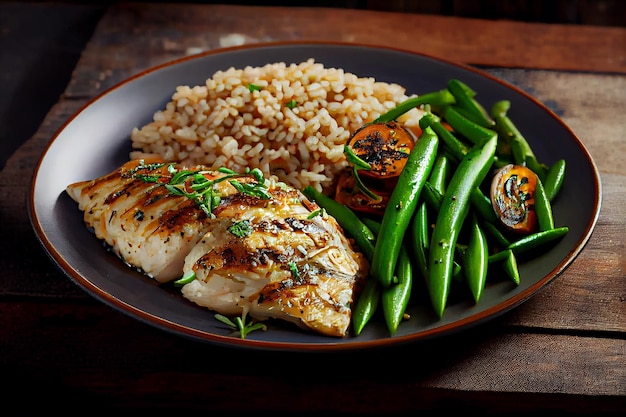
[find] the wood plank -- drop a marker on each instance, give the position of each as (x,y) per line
(100,356)
(170,31)
(579,299)
(590,104)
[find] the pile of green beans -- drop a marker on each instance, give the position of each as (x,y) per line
(439,223)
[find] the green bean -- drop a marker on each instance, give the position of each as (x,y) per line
(435,186)
(473,132)
(435,98)
(431,196)
(456,147)
(373,225)
(499,256)
(347,219)
(457,271)
(543,208)
(440,173)
(467,105)
(522,152)
(482,204)
(510,267)
(554,179)
(395,297)
(420,239)
(401,206)
(470,173)
(366,305)
(495,233)
(368,299)
(476,260)
(538,239)
(509,263)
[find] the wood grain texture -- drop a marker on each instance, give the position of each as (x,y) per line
(126,359)
(161,33)
(563,350)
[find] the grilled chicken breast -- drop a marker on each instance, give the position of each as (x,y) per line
(286,265)
(270,257)
(148,227)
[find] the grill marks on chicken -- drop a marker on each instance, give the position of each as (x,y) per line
(267,258)
(146,226)
(289,266)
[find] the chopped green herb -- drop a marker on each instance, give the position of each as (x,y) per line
(291,104)
(294,270)
(194,185)
(185,279)
(241,325)
(315,213)
(254,87)
(357,164)
(257,190)
(241,228)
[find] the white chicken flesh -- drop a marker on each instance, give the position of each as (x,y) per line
(255,247)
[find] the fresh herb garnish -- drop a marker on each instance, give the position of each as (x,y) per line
(254,87)
(357,164)
(241,228)
(294,270)
(315,213)
(241,325)
(185,279)
(194,184)
(291,104)
(257,190)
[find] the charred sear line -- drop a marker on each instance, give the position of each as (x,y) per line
(285,290)
(229,257)
(305,226)
(261,257)
(135,187)
(187,213)
(296,224)
(289,224)
(239,200)
(234,257)
(153,197)
(267,227)
(112,216)
(111,198)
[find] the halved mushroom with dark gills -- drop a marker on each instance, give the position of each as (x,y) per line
(513,198)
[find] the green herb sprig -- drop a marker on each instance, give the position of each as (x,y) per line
(185,279)
(241,324)
(241,228)
(357,164)
(195,186)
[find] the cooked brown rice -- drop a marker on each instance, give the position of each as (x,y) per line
(290,121)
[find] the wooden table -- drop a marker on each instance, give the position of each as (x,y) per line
(563,350)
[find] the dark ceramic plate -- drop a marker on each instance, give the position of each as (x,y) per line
(96,140)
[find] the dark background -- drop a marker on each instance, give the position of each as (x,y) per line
(41,41)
